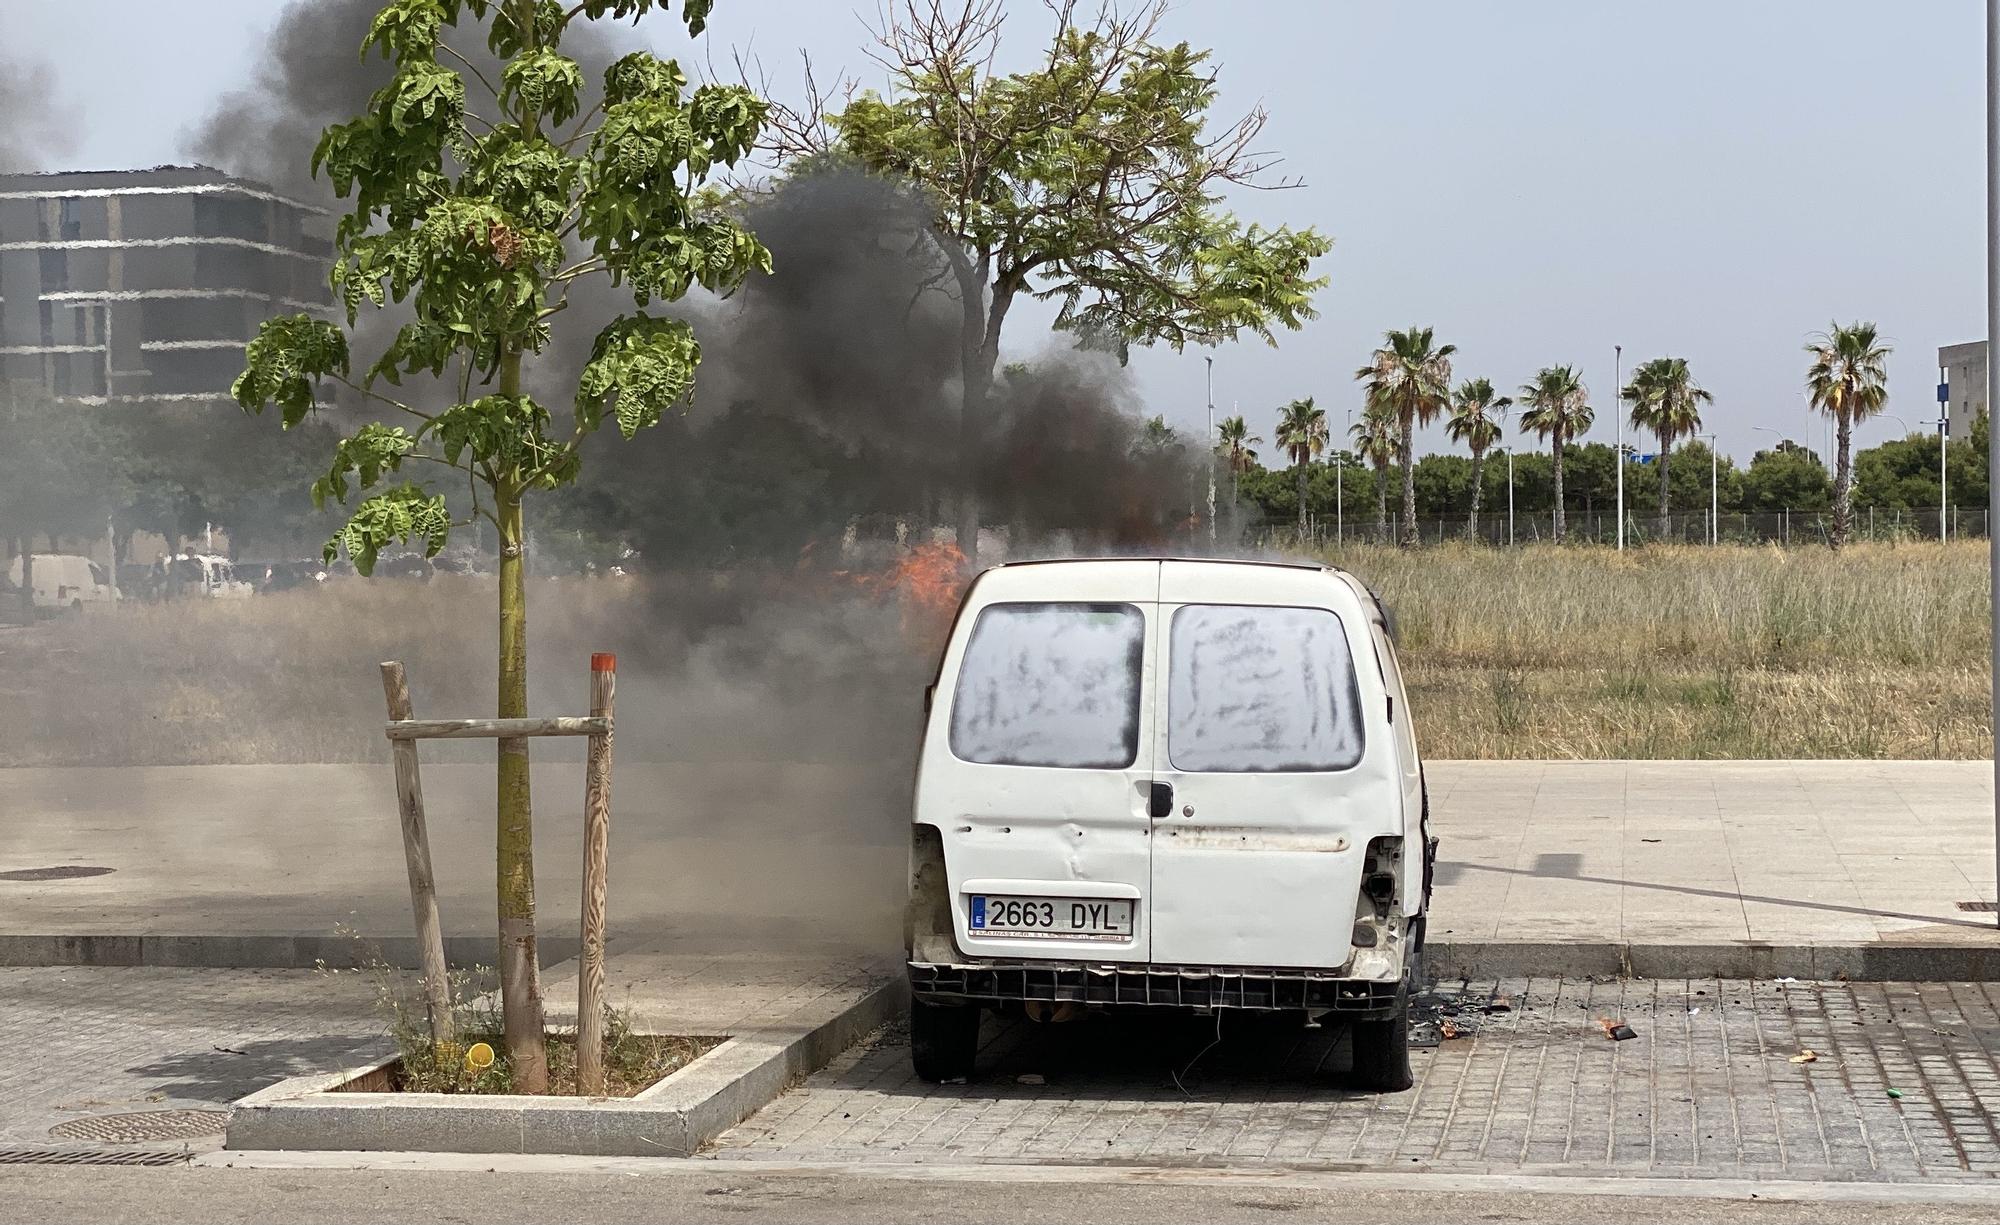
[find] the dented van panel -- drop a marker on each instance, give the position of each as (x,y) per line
(1172,783)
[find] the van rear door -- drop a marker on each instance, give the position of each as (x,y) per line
(1038,763)
(1277,787)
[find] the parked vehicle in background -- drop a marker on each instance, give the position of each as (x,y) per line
(63,581)
(1168,784)
(271,577)
(405,566)
(202,575)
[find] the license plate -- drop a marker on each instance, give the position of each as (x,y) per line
(1051,918)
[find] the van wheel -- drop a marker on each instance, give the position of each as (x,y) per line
(944,1039)
(1382,1053)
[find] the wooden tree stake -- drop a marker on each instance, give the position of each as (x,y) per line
(596,843)
(417,856)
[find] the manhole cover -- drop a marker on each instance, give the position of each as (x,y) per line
(62,872)
(148,1125)
(86,1156)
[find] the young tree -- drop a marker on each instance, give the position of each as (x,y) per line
(1848,381)
(1412,375)
(481,213)
(57,470)
(1666,400)
(1472,424)
(1558,409)
(1375,437)
(1302,432)
(1234,443)
(1091,179)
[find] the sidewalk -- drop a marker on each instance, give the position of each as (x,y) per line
(1545,866)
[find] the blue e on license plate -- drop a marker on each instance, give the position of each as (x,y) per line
(1051,918)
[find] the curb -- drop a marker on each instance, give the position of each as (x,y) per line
(674,1118)
(255,952)
(1923,963)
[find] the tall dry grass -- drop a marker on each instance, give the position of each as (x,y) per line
(1879,651)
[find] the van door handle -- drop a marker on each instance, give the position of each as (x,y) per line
(1160,802)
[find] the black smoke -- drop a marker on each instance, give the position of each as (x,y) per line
(36,125)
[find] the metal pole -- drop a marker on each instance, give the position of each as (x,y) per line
(1340,482)
(1618,413)
(1944,495)
(1510,496)
(1208,440)
(1714,504)
(1993,368)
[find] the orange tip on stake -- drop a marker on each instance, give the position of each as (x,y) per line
(603,661)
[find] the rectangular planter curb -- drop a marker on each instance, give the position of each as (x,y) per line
(671,1119)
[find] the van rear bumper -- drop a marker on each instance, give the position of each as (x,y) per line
(1267,990)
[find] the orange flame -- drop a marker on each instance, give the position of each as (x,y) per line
(927,582)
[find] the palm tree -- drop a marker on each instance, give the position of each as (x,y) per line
(1302,432)
(1412,376)
(1558,409)
(1233,439)
(1665,400)
(1375,438)
(1471,422)
(1848,381)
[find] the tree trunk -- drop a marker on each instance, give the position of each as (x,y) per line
(1478,474)
(979,352)
(1843,483)
(26,545)
(1382,503)
(1666,506)
(1302,500)
(1404,446)
(514,845)
(1557,523)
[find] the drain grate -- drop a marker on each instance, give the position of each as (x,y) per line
(1980,907)
(85,1156)
(147,1125)
(60,872)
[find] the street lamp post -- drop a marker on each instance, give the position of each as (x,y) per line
(1340,482)
(1714,502)
(1510,480)
(1993,374)
(1618,415)
(1208,440)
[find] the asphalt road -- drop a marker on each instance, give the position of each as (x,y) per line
(611,1193)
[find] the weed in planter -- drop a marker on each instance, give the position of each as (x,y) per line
(632,1061)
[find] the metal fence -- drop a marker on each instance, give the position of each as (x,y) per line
(1783,527)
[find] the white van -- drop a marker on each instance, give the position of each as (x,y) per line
(1166,783)
(64,580)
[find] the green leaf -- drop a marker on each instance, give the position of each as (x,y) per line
(285,362)
(640,367)
(394,516)
(545,82)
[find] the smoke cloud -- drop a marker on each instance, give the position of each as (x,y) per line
(35,124)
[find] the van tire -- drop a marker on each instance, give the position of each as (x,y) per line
(1382,1053)
(944,1040)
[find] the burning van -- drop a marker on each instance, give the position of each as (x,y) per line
(1168,784)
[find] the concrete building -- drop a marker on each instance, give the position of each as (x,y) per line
(1964,368)
(143,286)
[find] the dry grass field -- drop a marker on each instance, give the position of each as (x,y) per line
(1880,651)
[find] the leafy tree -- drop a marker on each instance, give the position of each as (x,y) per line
(1412,375)
(1786,477)
(1234,443)
(1666,400)
(1376,438)
(1472,425)
(1302,432)
(59,474)
(481,213)
(1848,381)
(1091,179)
(1558,409)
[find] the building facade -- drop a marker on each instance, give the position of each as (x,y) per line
(144,286)
(1963,370)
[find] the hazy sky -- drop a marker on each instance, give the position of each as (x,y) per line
(1713,179)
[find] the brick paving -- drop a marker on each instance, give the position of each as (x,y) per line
(1708,1089)
(87,1042)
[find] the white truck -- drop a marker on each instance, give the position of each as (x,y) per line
(63,581)
(1151,783)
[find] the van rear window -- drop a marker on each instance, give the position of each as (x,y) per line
(1260,690)
(1050,685)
